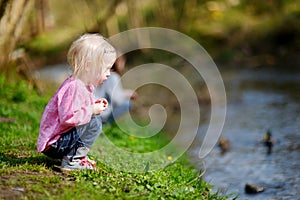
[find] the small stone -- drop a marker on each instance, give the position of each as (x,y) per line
(251,188)
(95,183)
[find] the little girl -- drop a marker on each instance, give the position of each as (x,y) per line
(71,121)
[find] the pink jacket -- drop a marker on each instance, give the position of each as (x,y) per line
(69,107)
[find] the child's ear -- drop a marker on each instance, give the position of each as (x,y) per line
(87,68)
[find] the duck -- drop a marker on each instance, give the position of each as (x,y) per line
(224,145)
(268,141)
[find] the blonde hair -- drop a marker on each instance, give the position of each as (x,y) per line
(91,50)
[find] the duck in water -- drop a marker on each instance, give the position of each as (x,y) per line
(268,141)
(224,145)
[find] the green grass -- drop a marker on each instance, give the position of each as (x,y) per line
(25,174)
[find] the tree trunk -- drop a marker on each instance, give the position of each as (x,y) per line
(14,14)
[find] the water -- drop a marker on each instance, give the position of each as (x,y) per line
(258,100)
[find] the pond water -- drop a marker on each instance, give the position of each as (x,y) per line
(258,100)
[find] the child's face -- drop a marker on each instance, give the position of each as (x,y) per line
(102,77)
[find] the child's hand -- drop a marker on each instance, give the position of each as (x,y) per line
(130,94)
(99,106)
(103,103)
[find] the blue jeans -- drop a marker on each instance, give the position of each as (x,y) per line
(80,136)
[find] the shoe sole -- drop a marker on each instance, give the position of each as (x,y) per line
(66,169)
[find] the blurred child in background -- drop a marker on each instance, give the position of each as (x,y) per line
(119,99)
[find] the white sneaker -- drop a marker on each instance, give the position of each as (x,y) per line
(92,162)
(78,164)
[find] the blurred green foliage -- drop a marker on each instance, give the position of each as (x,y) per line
(258,32)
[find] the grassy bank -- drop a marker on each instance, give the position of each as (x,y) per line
(28,175)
